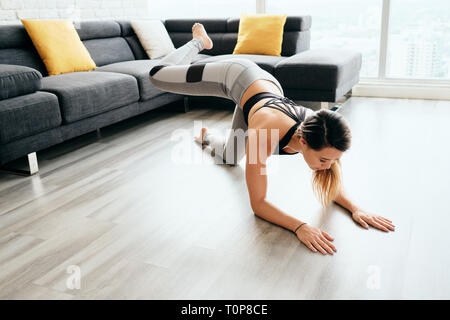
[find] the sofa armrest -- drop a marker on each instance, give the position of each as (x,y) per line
(18,80)
(319,74)
(319,68)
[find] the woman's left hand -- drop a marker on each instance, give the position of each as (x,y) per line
(363,218)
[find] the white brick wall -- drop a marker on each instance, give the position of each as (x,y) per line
(11,11)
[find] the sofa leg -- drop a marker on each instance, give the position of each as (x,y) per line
(32,167)
(99,134)
(348,94)
(336,107)
(186,104)
(332,106)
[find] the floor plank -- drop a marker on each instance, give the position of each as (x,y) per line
(146,214)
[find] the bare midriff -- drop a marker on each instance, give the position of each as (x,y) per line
(257,87)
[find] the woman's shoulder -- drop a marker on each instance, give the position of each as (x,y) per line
(276,126)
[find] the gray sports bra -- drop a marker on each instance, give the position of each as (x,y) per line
(277,102)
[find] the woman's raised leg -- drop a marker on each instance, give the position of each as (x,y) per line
(174,73)
(227,79)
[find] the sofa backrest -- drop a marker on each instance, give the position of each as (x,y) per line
(131,38)
(103,39)
(110,41)
(16,48)
(224,33)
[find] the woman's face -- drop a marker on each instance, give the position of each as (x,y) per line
(322,159)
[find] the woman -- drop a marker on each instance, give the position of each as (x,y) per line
(261,108)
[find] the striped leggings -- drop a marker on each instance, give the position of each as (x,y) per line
(226,78)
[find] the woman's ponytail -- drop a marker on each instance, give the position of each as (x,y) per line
(327,183)
(326,129)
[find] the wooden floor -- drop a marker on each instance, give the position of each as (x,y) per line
(140,223)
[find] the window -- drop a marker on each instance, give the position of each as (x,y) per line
(340,24)
(419,39)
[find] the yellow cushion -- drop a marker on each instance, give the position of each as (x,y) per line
(59,46)
(260,34)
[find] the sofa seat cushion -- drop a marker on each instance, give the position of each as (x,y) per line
(27,115)
(85,94)
(18,80)
(319,69)
(267,63)
(139,69)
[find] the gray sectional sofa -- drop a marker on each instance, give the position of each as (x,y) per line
(38,111)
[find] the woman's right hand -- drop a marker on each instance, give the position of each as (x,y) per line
(316,239)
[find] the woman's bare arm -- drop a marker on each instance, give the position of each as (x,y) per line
(361,216)
(256,178)
(344,201)
(257,188)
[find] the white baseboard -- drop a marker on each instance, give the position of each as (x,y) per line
(402,89)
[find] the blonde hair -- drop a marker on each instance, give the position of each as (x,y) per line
(327,183)
(326,128)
